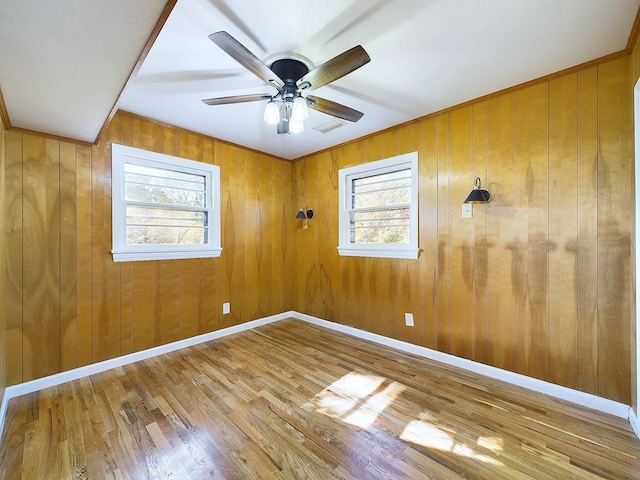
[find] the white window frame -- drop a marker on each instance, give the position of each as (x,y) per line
(388,250)
(123,252)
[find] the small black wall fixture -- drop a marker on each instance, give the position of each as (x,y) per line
(478,195)
(305,214)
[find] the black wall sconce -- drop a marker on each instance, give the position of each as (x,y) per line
(478,195)
(305,214)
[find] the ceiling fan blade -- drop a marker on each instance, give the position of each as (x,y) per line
(334,109)
(244,57)
(335,68)
(236,99)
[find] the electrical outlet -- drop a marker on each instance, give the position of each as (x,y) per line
(226,308)
(467,210)
(408,319)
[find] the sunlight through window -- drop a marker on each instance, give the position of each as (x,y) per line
(367,413)
(357,384)
(343,395)
(431,436)
(427,435)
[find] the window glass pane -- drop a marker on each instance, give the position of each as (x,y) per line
(150,235)
(381,226)
(167,187)
(165,226)
(379,190)
(385,177)
(379,198)
(380,235)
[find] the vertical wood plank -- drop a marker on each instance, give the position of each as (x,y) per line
(586,248)
(14,255)
(3,264)
(328,261)
(68,256)
(531,251)
(167,329)
(501,315)
(84,267)
(563,231)
(286,229)
(443,251)
(233,232)
(461,234)
(265,227)
(480,244)
(428,234)
(186,308)
(615,187)
(279,238)
(253,239)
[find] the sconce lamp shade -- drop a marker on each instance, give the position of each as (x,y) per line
(304,214)
(478,195)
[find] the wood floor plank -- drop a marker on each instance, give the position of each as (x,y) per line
(291,400)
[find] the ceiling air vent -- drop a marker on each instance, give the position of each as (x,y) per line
(332,124)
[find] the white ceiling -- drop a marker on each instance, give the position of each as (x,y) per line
(64,63)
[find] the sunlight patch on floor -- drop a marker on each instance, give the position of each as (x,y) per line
(359,399)
(429,435)
(343,398)
(366,415)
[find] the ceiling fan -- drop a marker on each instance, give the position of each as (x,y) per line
(291,77)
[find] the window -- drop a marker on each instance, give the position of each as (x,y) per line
(379,208)
(164,207)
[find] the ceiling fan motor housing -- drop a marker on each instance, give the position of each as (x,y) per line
(290,71)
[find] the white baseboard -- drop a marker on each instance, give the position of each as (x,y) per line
(580,398)
(591,401)
(633,420)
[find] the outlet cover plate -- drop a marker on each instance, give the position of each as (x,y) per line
(467,210)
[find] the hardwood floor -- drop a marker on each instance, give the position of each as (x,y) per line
(291,400)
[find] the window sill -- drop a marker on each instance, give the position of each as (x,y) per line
(128,256)
(404,253)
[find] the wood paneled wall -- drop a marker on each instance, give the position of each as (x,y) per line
(635,59)
(70,305)
(3,267)
(538,281)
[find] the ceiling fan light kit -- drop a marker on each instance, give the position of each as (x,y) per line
(271,113)
(290,77)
